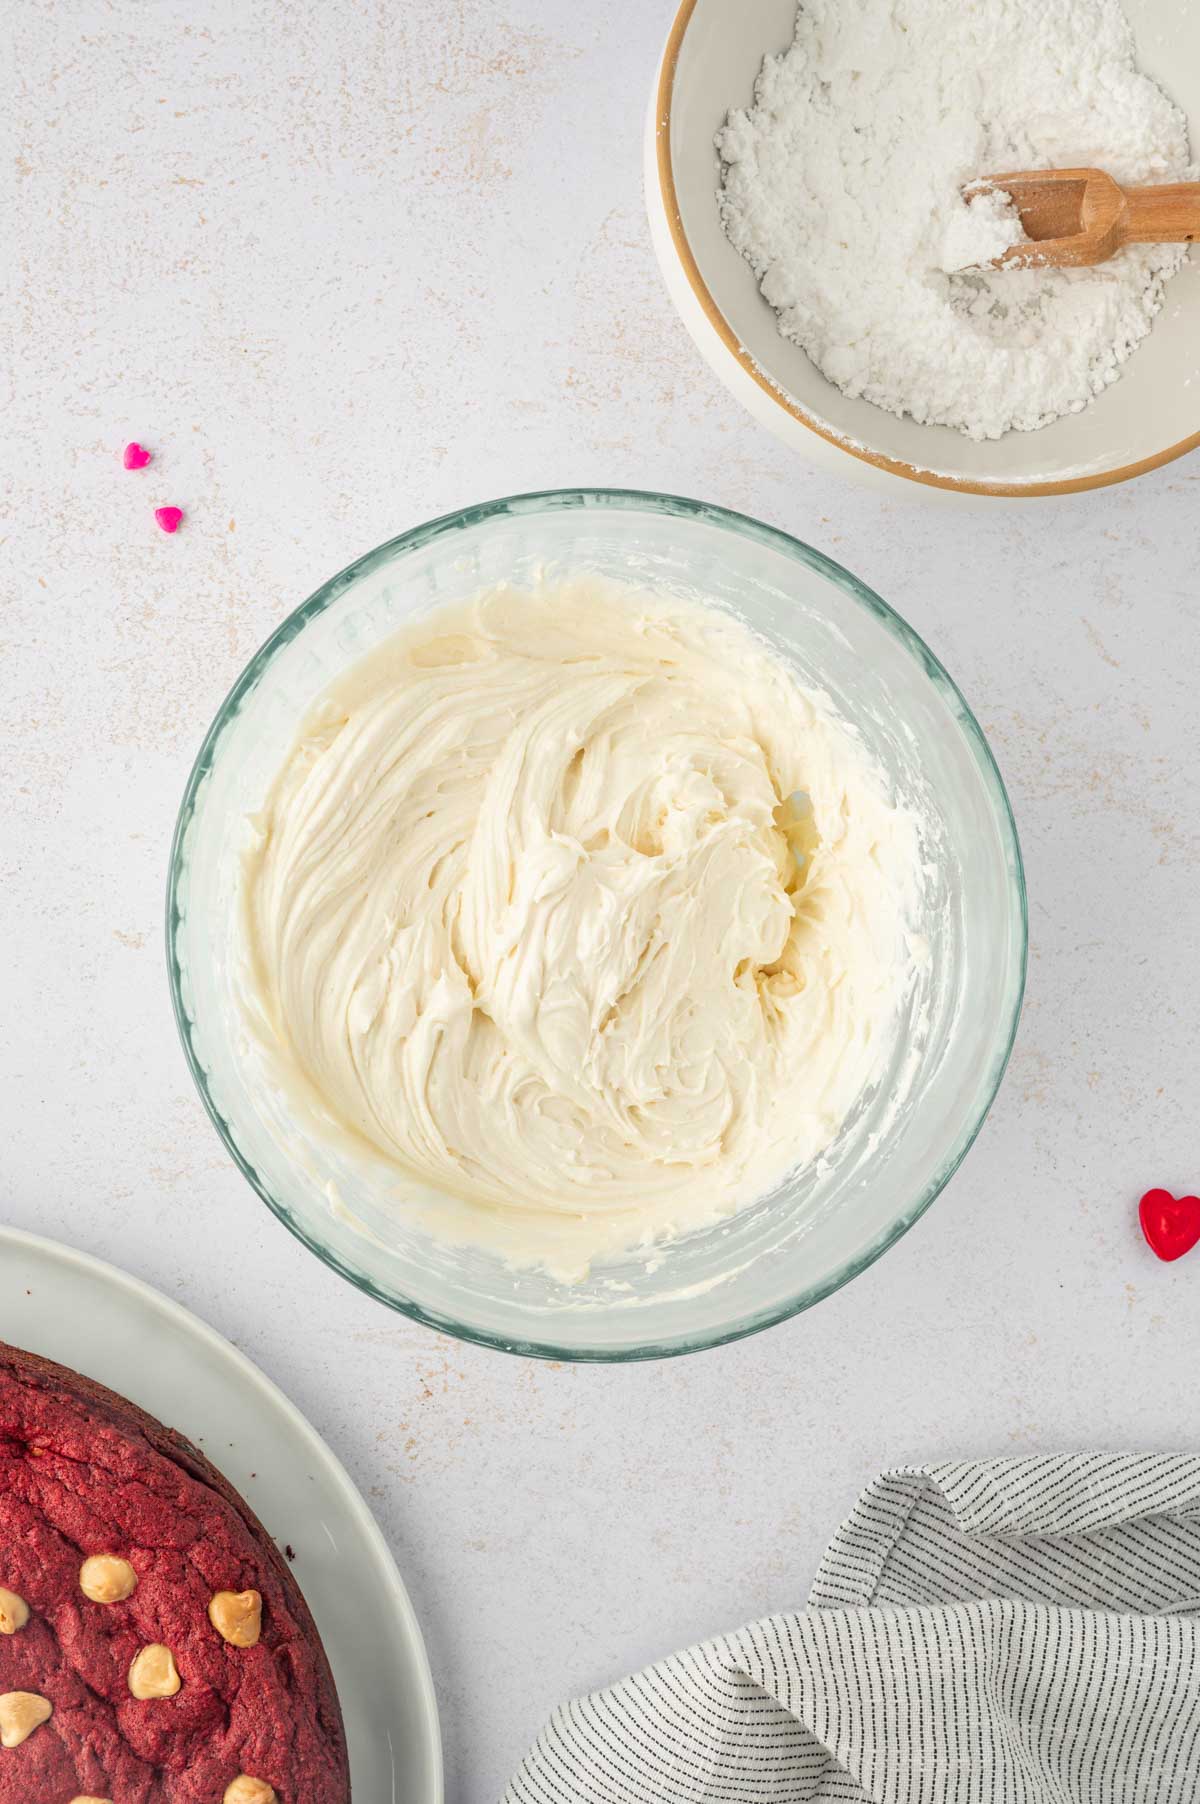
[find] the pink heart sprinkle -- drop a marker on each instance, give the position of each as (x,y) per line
(136,456)
(169,518)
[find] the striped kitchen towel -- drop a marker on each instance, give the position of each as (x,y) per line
(1008,1631)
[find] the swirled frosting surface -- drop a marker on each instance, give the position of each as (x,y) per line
(574,904)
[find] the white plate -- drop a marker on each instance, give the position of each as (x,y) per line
(74,1309)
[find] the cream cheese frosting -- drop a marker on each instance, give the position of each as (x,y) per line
(572,904)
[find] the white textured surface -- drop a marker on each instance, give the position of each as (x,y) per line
(345,267)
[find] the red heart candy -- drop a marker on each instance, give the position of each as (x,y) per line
(1171,1224)
(169,518)
(136,456)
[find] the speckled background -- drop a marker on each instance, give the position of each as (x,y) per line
(344,267)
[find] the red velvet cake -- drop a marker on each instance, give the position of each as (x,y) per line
(154,1647)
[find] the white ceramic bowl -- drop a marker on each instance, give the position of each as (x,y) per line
(825,1222)
(1152,414)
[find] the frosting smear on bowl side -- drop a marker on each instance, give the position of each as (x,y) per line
(574,904)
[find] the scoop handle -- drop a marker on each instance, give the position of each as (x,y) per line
(1169,214)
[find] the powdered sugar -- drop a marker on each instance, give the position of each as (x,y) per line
(842,186)
(979,231)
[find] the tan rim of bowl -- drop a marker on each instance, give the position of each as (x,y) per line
(729,338)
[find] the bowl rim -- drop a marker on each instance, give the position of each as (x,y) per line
(678,507)
(668,195)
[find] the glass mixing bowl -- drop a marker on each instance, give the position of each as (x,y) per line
(905,1137)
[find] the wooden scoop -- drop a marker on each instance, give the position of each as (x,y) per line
(1081,216)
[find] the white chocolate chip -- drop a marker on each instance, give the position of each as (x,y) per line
(237,1617)
(107,1579)
(14,1612)
(21,1712)
(245,1790)
(154,1673)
